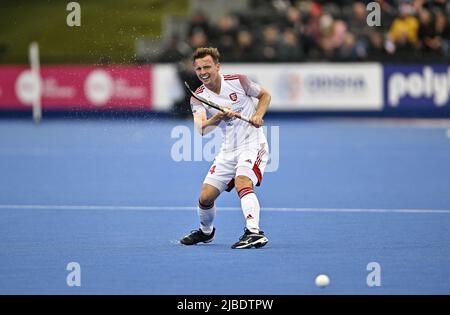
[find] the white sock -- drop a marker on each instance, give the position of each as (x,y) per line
(206,217)
(250,208)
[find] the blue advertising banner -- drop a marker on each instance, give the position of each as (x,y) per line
(417,88)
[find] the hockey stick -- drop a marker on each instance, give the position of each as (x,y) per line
(213,105)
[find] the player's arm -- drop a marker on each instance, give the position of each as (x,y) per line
(204,125)
(261,109)
(255,90)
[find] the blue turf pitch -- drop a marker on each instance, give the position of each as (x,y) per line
(108,195)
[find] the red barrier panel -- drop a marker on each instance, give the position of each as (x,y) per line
(78,87)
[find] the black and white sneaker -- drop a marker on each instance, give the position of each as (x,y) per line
(250,239)
(197,236)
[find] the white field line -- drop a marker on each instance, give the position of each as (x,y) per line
(177,208)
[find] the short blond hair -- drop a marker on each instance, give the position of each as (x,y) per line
(202,52)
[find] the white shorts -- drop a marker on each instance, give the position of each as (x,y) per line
(249,161)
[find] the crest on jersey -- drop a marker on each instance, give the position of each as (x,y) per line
(233,97)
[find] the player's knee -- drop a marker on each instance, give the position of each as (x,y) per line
(242,182)
(206,200)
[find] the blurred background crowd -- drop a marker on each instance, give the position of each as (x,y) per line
(296,31)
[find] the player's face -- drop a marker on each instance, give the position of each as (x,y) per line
(207,71)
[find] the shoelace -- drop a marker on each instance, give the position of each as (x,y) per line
(196,232)
(248,232)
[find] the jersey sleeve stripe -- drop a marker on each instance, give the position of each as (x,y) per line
(230,77)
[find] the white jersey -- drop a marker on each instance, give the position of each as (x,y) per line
(236,92)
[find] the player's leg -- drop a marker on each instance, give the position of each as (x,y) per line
(249,171)
(216,181)
(206,211)
(253,236)
(206,208)
(249,202)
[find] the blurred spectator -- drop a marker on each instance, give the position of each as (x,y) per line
(174,51)
(199,23)
(375,46)
(442,27)
(347,50)
(186,73)
(404,49)
(244,49)
(312,31)
(430,41)
(270,45)
(330,36)
(198,39)
(357,25)
(404,30)
(338,33)
(226,36)
(293,20)
(290,49)
(388,11)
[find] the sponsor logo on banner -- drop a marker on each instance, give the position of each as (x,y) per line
(98,87)
(53,89)
(418,86)
(80,87)
(318,86)
(336,84)
(289,86)
(28,87)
